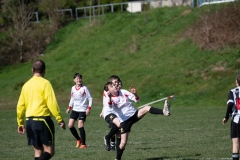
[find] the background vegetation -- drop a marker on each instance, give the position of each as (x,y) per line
(156,52)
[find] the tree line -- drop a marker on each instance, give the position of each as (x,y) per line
(20,39)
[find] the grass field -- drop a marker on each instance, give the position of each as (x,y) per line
(150,51)
(189,133)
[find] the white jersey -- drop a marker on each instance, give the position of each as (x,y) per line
(122,104)
(233,97)
(106,108)
(80,99)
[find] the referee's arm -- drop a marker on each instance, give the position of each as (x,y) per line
(52,103)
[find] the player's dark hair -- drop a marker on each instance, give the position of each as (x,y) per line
(112,77)
(121,83)
(106,85)
(105,88)
(38,66)
(77,75)
(238,79)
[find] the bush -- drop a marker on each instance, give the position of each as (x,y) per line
(217,28)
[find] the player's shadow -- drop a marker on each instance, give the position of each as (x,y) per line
(178,157)
(197,155)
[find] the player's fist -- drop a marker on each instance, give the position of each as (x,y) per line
(68,110)
(133,89)
(224,121)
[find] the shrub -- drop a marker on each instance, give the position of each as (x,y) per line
(218,29)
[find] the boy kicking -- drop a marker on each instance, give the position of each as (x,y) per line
(120,101)
(80,103)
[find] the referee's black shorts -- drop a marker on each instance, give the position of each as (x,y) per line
(40,130)
(127,125)
(235,129)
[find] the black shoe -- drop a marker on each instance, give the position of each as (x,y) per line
(112,148)
(107,143)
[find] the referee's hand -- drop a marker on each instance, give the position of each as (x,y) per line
(62,125)
(21,129)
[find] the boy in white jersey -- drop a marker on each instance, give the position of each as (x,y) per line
(120,101)
(110,117)
(233,109)
(80,103)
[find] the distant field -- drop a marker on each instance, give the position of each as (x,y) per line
(189,133)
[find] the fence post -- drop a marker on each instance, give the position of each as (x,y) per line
(112,8)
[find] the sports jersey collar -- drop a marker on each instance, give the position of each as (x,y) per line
(78,88)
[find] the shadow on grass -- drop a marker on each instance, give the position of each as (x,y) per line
(166,158)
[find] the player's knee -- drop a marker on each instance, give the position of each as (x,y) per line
(147,108)
(70,126)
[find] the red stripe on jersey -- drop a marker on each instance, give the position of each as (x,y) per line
(77,88)
(104,95)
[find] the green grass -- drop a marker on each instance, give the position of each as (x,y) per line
(189,133)
(150,52)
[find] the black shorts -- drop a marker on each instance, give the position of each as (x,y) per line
(78,115)
(127,125)
(40,131)
(235,129)
(109,119)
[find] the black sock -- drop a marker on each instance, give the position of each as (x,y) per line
(119,154)
(235,156)
(113,138)
(83,135)
(118,143)
(45,156)
(74,133)
(155,111)
(36,158)
(112,132)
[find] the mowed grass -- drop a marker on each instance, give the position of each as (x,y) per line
(189,133)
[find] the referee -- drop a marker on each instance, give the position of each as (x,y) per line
(38,103)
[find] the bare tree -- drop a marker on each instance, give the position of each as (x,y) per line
(20,14)
(51,8)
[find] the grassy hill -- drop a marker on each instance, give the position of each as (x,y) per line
(149,50)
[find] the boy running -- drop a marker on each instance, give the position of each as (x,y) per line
(120,101)
(80,103)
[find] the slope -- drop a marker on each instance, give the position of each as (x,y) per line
(148,50)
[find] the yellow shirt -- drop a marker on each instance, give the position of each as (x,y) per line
(37,98)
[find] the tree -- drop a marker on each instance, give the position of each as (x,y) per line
(51,8)
(20,16)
